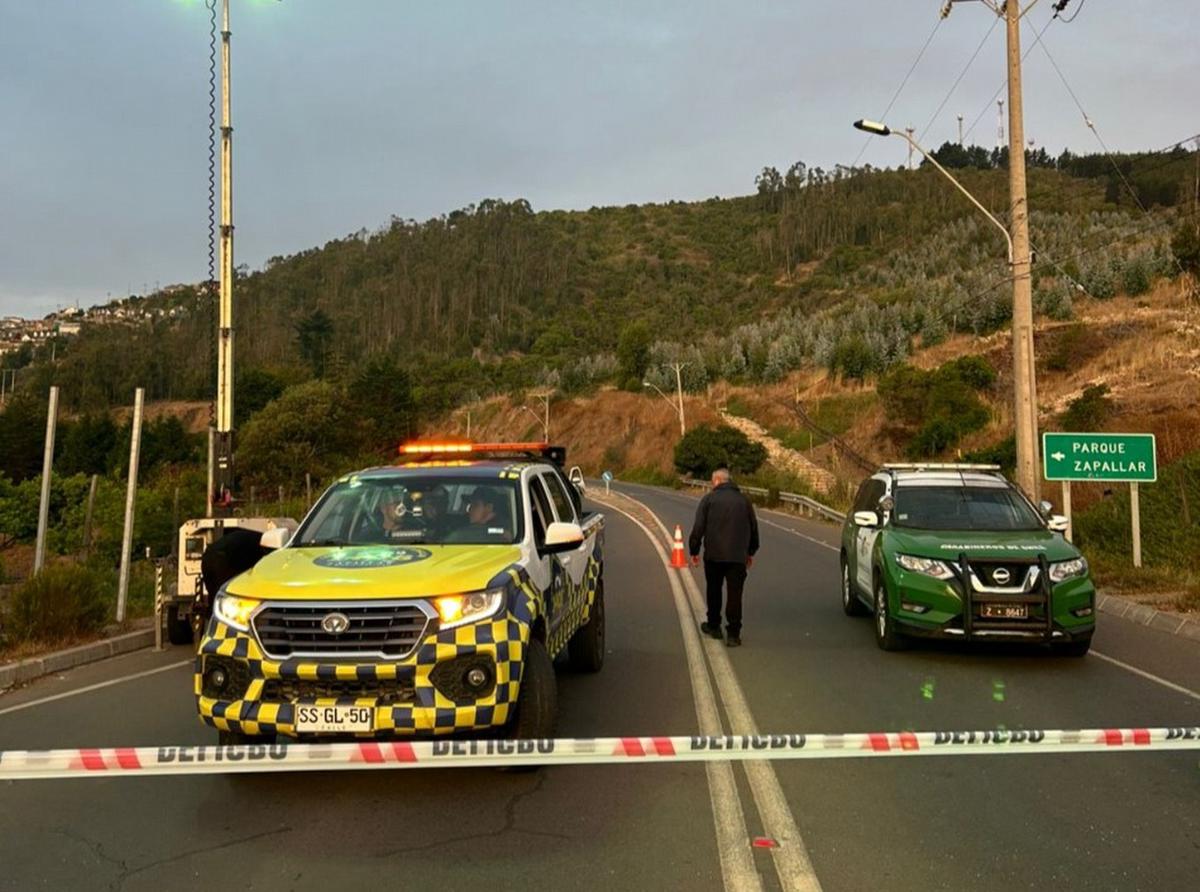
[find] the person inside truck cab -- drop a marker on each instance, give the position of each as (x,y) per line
(385,521)
(429,512)
(486,518)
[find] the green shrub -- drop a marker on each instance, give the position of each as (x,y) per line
(1136,276)
(854,358)
(1169,511)
(1003,454)
(62,601)
(704,449)
(942,405)
(1089,411)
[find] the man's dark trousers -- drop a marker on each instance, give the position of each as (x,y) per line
(733,576)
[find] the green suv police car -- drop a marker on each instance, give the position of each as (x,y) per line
(959,552)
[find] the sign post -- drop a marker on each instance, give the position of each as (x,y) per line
(1102,458)
(607,477)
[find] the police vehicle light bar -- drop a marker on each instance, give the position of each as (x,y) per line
(435,448)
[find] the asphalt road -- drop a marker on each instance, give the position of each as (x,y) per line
(1080,821)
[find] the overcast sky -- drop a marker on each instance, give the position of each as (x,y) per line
(349,111)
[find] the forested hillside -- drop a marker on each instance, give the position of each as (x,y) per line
(840,268)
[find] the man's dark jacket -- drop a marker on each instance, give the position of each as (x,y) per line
(725,525)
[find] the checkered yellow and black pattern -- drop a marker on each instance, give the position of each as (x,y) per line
(428,711)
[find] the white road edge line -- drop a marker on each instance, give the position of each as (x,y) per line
(1144,674)
(780,526)
(729,821)
(94,687)
(791,859)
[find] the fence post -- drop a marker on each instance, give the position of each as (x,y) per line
(158,604)
(307,489)
(281,500)
(135,443)
(87,516)
(39,552)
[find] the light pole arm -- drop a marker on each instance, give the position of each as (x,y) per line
(961,188)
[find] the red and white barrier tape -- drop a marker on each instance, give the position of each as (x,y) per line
(31,764)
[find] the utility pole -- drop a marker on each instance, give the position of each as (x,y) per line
(1024,374)
(39,550)
(223,471)
(1024,371)
(909,131)
(960,136)
(1000,122)
(135,447)
(678,367)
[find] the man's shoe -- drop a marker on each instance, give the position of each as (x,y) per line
(734,641)
(711,631)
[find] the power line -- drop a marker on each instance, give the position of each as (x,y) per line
(1092,126)
(958,80)
(899,89)
(1062,5)
(987,107)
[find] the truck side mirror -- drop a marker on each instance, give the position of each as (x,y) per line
(562,537)
(276,537)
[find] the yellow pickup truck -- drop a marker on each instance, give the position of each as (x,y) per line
(426,598)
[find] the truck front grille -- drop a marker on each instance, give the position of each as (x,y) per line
(392,690)
(380,629)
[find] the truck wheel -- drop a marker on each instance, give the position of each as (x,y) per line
(886,635)
(237,738)
(537,700)
(586,647)
(850,601)
(179,629)
(1077,648)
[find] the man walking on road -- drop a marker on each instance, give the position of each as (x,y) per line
(727,528)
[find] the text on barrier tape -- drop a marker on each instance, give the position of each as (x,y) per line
(97,762)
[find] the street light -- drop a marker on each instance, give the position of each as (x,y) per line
(878,129)
(1024,375)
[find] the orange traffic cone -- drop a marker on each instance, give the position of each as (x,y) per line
(678,557)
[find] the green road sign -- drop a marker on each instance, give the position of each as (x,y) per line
(1121,458)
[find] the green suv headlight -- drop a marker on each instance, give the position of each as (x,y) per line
(925,566)
(1064,570)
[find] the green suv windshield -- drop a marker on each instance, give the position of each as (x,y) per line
(434,510)
(992,509)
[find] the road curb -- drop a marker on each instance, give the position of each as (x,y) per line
(58,661)
(1144,615)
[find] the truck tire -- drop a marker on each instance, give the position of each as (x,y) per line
(586,647)
(886,635)
(851,604)
(179,629)
(1076,648)
(537,700)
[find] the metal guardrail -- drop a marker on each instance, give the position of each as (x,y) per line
(806,505)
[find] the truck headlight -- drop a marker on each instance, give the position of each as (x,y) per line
(1064,570)
(457,610)
(925,566)
(234,611)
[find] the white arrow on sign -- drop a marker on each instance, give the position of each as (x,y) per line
(1057,456)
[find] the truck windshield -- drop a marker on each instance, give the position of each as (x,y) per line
(963,508)
(413,509)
